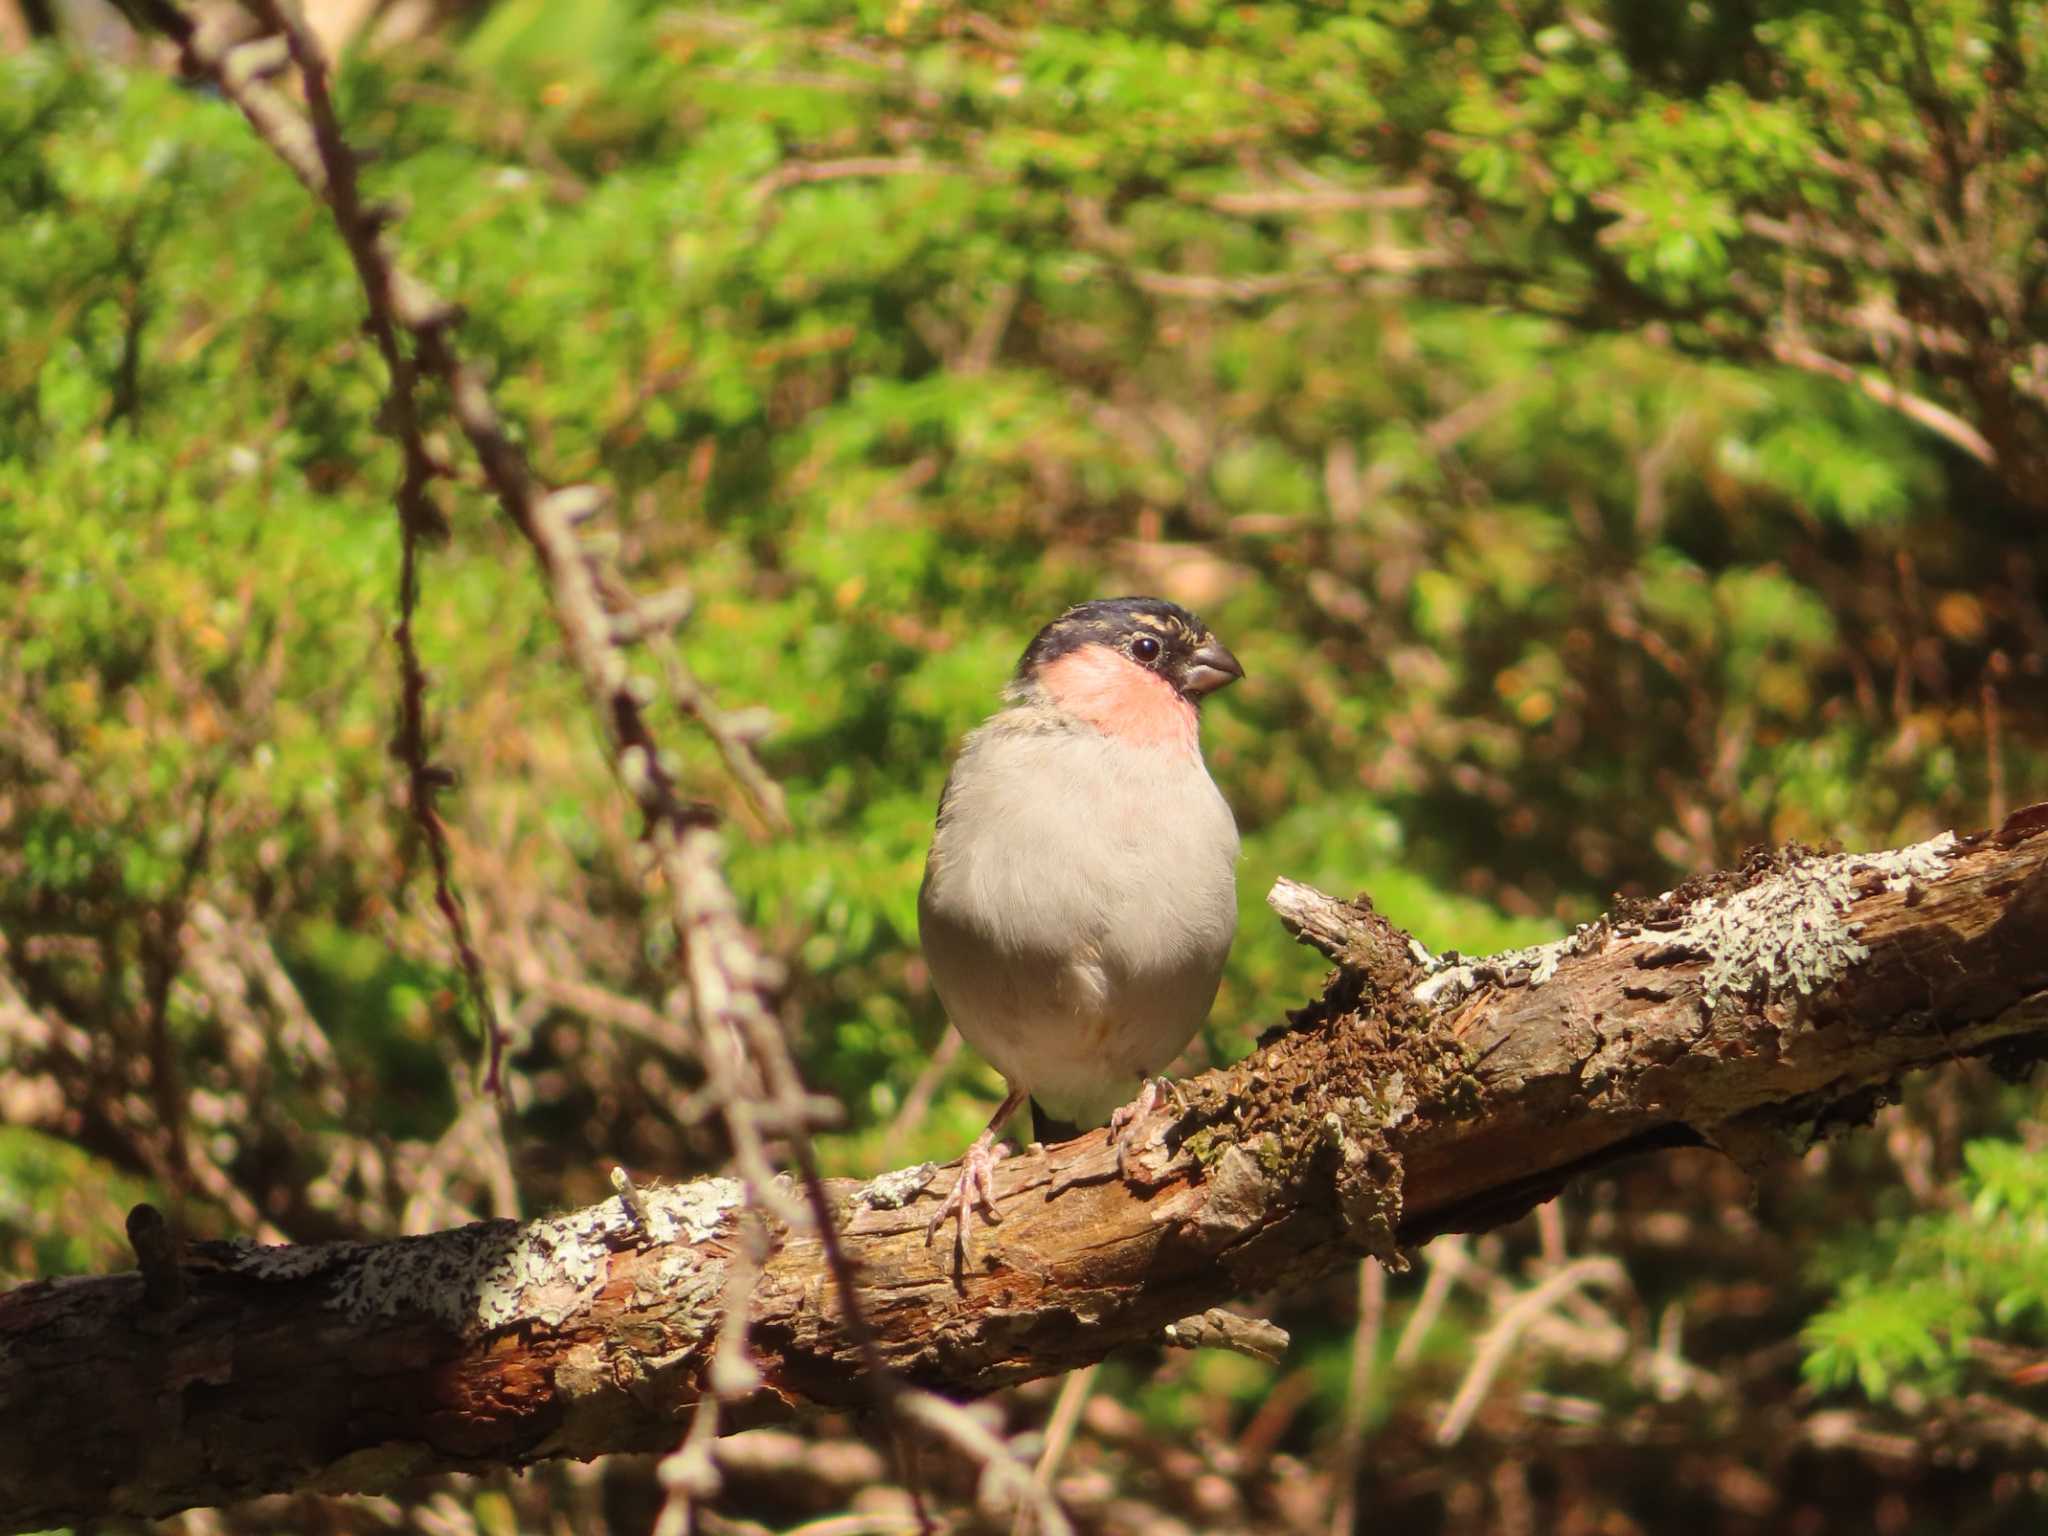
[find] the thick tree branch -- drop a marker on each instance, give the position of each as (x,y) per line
(1418,1095)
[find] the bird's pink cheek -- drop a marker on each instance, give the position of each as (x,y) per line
(1120,698)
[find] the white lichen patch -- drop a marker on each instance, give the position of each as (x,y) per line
(893,1191)
(496,1273)
(690,1213)
(689,1287)
(1383,1105)
(1789,933)
(688,1278)
(1452,977)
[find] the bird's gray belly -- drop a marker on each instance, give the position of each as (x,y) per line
(1080,950)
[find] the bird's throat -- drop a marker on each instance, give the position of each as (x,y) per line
(1120,698)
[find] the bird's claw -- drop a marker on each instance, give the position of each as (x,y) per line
(975,1186)
(1125,1121)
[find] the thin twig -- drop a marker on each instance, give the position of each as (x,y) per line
(732,983)
(793,173)
(1445,1259)
(1945,424)
(1994,746)
(1322,199)
(1365,1346)
(688,1474)
(418,518)
(1513,1321)
(956,1425)
(1550,1232)
(1059,1434)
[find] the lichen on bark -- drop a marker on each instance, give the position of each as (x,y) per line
(1788,934)
(491,1274)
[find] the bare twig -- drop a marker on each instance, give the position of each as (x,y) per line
(1550,1232)
(1322,199)
(792,173)
(1365,1346)
(1059,1434)
(156,1256)
(1513,1321)
(1444,1261)
(1923,412)
(418,518)
(959,1428)
(688,1474)
(1259,1338)
(1994,745)
(752,1077)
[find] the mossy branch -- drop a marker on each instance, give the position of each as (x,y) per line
(1753,1010)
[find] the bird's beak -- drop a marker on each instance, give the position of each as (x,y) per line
(1208,669)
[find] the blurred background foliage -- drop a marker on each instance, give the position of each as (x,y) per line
(1611,436)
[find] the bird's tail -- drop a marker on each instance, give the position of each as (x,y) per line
(1049,1130)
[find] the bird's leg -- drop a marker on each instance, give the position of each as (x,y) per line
(1126,1120)
(976,1185)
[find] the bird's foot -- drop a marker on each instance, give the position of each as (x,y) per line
(1124,1123)
(976,1186)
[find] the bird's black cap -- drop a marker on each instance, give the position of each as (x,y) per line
(1161,636)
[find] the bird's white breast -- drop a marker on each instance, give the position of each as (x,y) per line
(1078,906)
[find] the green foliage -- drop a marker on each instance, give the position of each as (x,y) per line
(769,367)
(1919,1292)
(891,419)
(1425,350)
(61,1209)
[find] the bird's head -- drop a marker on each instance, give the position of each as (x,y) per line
(1134,667)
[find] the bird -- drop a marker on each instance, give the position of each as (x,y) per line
(1080,895)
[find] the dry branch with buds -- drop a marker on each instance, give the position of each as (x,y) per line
(732,983)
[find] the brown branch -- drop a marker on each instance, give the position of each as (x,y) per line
(1418,1096)
(1921,412)
(729,980)
(1385,260)
(732,984)
(1322,199)
(793,173)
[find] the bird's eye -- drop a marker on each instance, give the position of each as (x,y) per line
(1145,648)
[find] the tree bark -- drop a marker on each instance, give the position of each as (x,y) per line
(1754,1010)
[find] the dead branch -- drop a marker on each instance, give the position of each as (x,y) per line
(1945,424)
(731,981)
(1419,1095)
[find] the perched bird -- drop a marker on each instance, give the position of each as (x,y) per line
(1080,895)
